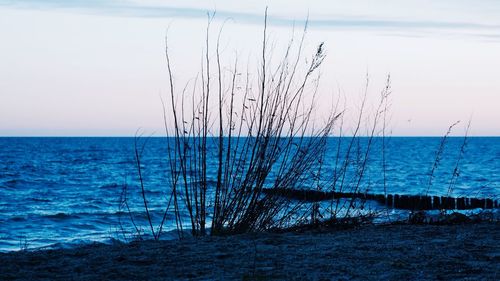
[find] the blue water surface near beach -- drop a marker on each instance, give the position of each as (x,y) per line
(67,191)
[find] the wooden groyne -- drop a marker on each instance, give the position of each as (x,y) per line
(396,201)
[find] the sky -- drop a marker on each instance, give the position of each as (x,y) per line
(97,68)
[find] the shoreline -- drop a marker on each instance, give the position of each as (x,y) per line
(407,252)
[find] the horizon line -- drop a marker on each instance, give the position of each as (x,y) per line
(307,136)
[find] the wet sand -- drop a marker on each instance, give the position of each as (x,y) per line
(392,252)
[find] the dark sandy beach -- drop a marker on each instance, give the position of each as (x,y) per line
(393,252)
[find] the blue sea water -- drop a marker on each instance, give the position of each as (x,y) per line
(67,190)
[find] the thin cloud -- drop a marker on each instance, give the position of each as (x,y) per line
(115,8)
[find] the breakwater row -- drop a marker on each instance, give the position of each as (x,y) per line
(396,201)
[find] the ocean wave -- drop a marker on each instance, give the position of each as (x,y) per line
(111,186)
(62,216)
(82,215)
(17,218)
(14,183)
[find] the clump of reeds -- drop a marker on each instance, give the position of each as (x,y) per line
(269,131)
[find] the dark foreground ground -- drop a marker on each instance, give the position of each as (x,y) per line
(395,252)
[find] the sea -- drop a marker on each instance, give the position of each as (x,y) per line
(65,191)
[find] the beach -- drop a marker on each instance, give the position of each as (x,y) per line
(370,252)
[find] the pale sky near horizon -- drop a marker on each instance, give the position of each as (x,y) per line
(97,68)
